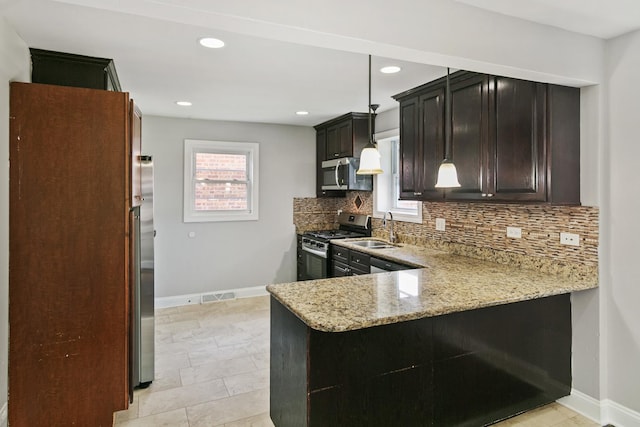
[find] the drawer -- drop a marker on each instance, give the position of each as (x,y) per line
(339,253)
(357,270)
(340,269)
(359,260)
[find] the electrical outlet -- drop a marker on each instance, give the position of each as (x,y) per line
(440,224)
(570,239)
(514,232)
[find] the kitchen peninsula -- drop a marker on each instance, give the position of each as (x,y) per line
(458,342)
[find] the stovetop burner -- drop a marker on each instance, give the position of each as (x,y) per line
(334,234)
(351,225)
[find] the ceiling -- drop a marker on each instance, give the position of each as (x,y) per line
(255,79)
(604,19)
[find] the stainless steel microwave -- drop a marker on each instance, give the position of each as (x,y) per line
(340,174)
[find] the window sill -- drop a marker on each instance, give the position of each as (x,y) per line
(401,216)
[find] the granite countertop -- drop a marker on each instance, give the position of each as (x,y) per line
(448,283)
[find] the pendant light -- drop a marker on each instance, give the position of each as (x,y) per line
(447,174)
(370,156)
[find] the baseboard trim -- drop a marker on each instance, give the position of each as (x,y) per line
(188,299)
(601,411)
(618,415)
(3,414)
(582,404)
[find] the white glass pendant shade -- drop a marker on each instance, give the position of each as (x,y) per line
(447,175)
(369,161)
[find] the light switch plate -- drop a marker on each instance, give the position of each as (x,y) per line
(514,232)
(570,239)
(440,224)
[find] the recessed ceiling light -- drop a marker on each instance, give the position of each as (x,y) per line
(390,69)
(211,42)
(302,113)
(184,103)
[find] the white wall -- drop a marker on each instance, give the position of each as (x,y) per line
(622,231)
(14,65)
(228,255)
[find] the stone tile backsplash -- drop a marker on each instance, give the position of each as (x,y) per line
(478,230)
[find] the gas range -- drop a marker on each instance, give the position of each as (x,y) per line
(350,225)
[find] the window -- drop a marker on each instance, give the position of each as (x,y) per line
(220,181)
(386,196)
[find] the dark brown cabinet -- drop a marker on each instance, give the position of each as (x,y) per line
(339,140)
(345,262)
(511,140)
(359,263)
(344,136)
(299,256)
(470,368)
(66,69)
(518,148)
(422,136)
(69,245)
(470,135)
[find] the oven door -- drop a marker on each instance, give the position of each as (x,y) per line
(314,264)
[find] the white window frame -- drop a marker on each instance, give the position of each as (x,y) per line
(194,146)
(384,183)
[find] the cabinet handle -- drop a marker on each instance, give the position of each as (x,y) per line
(484,195)
(417,194)
(336,154)
(489,195)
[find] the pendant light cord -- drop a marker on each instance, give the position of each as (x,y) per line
(369,106)
(448,120)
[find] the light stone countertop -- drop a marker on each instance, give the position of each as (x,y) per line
(448,284)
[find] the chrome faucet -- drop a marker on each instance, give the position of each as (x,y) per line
(392,237)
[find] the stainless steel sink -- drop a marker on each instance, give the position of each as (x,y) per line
(373,244)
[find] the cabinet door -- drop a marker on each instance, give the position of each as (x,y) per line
(410,150)
(431,142)
(469,136)
(517,170)
(321,154)
(345,138)
(333,143)
(340,140)
(340,269)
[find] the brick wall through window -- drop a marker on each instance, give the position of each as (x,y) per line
(221,182)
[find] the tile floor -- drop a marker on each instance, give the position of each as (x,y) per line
(212,369)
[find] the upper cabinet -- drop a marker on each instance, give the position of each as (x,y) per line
(67,69)
(422,147)
(344,136)
(511,140)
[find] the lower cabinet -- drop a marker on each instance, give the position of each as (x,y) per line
(299,264)
(470,368)
(345,262)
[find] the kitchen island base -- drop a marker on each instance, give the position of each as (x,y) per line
(468,368)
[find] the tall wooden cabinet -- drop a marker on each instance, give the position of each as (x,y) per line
(70,196)
(511,140)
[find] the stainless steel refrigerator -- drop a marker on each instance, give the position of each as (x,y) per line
(142,297)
